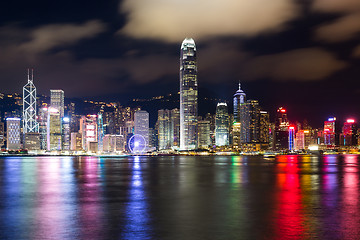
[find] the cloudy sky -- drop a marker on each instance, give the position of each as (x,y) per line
(302,54)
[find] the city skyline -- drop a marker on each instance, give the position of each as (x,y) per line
(297,55)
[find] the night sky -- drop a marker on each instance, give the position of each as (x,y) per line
(304,55)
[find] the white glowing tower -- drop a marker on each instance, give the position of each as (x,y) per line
(29,105)
(188,95)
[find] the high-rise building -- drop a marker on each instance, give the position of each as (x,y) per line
(54,142)
(302,140)
(281,129)
(175,128)
(204,140)
(331,135)
(57,100)
(264,127)
(349,133)
(13,133)
(239,98)
(100,128)
(291,138)
(236,129)
(188,95)
(2,134)
(42,119)
(88,130)
(66,137)
(141,119)
(222,125)
(32,141)
(29,106)
(164,129)
(76,141)
(250,122)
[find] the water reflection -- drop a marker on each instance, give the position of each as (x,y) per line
(90,212)
(289,215)
(290,197)
(137,219)
(350,215)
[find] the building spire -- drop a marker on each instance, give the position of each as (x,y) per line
(239,85)
(30,79)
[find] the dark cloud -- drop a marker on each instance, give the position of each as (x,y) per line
(336,6)
(356,52)
(171,21)
(342,29)
(49,36)
(301,64)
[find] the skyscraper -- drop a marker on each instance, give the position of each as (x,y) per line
(221,125)
(250,122)
(89,132)
(164,129)
(264,127)
(43,115)
(281,130)
(53,130)
(349,133)
(204,140)
(331,132)
(188,95)
(57,100)
(66,133)
(239,98)
(13,133)
(141,119)
(29,105)
(175,127)
(291,138)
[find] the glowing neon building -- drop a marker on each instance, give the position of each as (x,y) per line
(349,136)
(291,138)
(188,95)
(329,132)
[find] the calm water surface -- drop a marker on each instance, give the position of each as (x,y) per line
(290,197)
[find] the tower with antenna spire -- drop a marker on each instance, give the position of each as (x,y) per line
(30,124)
(239,98)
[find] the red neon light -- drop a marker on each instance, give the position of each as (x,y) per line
(283,110)
(350,121)
(292,127)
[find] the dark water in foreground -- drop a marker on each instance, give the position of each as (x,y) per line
(290,197)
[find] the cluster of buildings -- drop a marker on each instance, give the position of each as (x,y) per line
(55,127)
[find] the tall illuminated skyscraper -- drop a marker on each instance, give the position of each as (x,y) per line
(164,129)
(141,119)
(239,98)
(222,125)
(57,100)
(188,95)
(54,142)
(291,138)
(29,105)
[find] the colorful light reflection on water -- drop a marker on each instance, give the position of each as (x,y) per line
(290,197)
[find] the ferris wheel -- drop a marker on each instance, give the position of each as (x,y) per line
(137,144)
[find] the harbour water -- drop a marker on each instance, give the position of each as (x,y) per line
(180,197)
